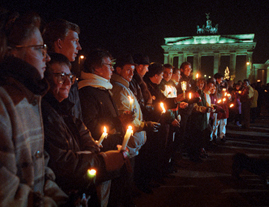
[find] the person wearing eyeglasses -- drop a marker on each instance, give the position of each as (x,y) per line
(25,179)
(67,140)
(62,36)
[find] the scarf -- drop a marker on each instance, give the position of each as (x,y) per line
(93,80)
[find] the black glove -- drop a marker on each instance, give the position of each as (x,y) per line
(150,125)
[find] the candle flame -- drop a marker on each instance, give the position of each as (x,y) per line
(91,172)
(225,94)
(224,89)
(231,105)
(224,99)
(131,99)
(162,106)
(130,128)
(197,75)
(219,101)
(228,95)
(105,129)
(189,95)
(239,91)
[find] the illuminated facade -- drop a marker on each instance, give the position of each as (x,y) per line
(211,44)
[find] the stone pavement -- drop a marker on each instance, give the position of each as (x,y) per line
(210,184)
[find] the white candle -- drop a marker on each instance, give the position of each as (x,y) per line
(103,136)
(162,106)
(197,75)
(131,103)
(184,87)
(126,138)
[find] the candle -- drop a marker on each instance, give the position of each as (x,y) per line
(189,95)
(197,75)
(184,87)
(126,138)
(162,106)
(219,101)
(103,136)
(224,89)
(131,103)
(231,105)
(223,100)
(91,173)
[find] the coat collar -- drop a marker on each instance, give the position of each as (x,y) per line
(117,78)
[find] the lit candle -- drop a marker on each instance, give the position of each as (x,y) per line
(162,106)
(197,75)
(126,138)
(189,95)
(231,105)
(224,89)
(103,136)
(131,103)
(219,101)
(184,87)
(223,100)
(239,92)
(91,173)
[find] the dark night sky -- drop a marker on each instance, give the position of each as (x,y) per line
(140,26)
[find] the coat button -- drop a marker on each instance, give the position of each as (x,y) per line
(38,154)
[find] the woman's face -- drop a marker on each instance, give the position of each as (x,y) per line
(33,52)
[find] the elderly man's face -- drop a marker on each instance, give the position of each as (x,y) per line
(127,71)
(61,81)
(106,68)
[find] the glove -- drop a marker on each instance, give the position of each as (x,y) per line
(150,125)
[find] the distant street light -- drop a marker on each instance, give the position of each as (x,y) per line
(81,57)
(248,63)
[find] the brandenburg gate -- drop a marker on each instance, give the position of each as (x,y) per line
(209,43)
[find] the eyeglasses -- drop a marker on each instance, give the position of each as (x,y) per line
(110,65)
(61,77)
(42,48)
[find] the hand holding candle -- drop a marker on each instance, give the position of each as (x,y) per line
(103,136)
(126,138)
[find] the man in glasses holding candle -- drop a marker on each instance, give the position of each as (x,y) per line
(69,143)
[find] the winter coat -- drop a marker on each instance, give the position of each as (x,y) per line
(70,145)
(99,110)
(25,179)
(121,93)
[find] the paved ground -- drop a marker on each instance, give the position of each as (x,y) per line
(210,184)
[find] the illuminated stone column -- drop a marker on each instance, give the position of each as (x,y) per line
(249,66)
(196,62)
(216,63)
(232,64)
(166,58)
(180,59)
(171,59)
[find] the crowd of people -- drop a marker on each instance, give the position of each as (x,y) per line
(52,123)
